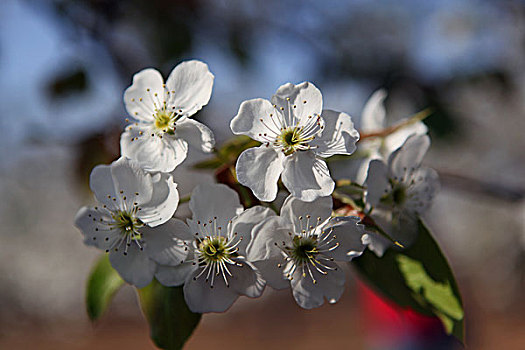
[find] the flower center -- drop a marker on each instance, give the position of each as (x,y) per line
(128,224)
(216,252)
(288,132)
(399,195)
(309,249)
(291,140)
(165,121)
(304,248)
(214,249)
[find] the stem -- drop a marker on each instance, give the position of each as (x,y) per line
(390,130)
(185,199)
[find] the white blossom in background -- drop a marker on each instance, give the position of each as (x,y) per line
(216,271)
(399,192)
(301,248)
(373,119)
(159,138)
(187,177)
(296,135)
(132,221)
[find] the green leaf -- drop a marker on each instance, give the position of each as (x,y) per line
(439,295)
(171,322)
(212,163)
(425,283)
(103,283)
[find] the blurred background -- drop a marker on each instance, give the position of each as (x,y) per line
(64,66)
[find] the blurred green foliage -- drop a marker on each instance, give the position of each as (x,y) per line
(171,322)
(102,284)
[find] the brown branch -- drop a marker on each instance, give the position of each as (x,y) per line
(390,130)
(486,188)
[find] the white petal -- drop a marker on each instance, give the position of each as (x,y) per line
(376,182)
(265,235)
(102,185)
(272,273)
(133,184)
(200,297)
(362,171)
(294,208)
(400,224)
(214,200)
(259,169)
(408,156)
(305,101)
(404,227)
(353,168)
(373,116)
(135,267)
(141,103)
(377,243)
(256,118)
(95,231)
(192,82)
(163,203)
(307,177)
(244,223)
(196,135)
(171,276)
(245,280)
(339,135)
(117,185)
(152,152)
(396,139)
(164,243)
(422,191)
(265,255)
(330,286)
(349,237)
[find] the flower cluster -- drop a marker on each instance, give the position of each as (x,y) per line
(224,250)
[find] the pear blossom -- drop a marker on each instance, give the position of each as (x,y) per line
(301,248)
(132,220)
(373,119)
(162,130)
(400,191)
(216,271)
(296,135)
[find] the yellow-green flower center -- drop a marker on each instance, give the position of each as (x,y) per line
(128,224)
(304,249)
(165,121)
(292,140)
(214,249)
(397,196)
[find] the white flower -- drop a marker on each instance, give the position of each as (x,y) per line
(373,119)
(159,138)
(400,191)
(301,246)
(296,134)
(133,220)
(216,271)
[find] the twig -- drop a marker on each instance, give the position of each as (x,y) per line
(390,130)
(487,188)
